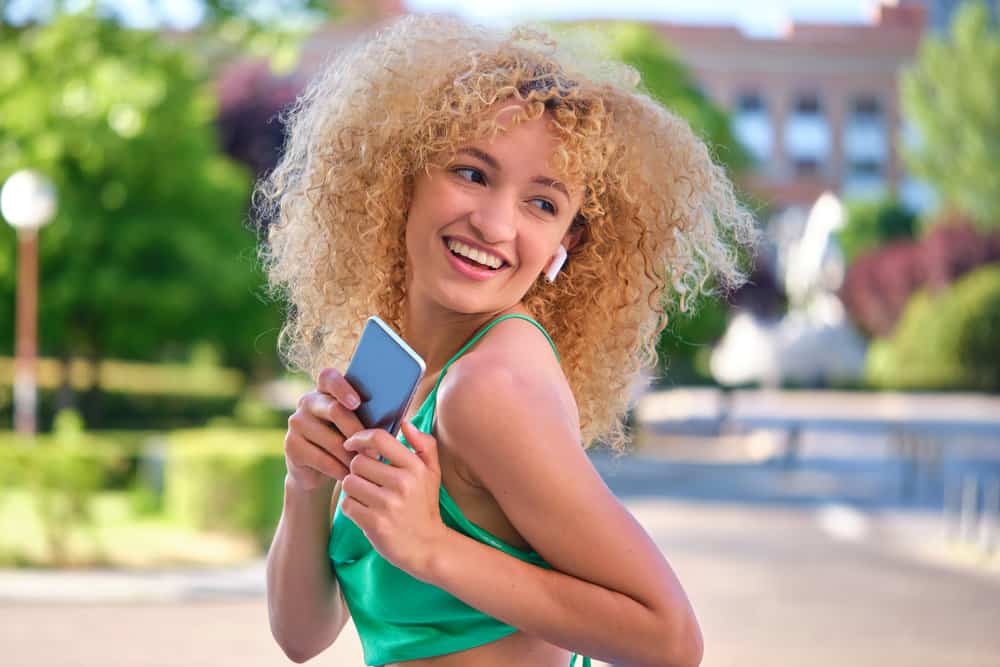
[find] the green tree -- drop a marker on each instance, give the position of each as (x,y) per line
(666,78)
(952,94)
(225,29)
(873,223)
(148,253)
(689,335)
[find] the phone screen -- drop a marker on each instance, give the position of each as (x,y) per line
(384,370)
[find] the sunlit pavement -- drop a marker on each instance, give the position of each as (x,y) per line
(812,566)
(770,586)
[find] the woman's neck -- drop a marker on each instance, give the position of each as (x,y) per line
(437,333)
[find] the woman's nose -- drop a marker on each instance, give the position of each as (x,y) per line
(495,220)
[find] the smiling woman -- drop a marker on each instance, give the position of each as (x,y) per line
(525,221)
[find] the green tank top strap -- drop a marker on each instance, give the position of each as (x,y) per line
(572,661)
(480,335)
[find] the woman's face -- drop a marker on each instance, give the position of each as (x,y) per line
(498,197)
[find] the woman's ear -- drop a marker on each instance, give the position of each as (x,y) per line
(573,236)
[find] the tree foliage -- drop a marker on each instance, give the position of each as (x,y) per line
(688,335)
(871,224)
(952,94)
(148,252)
(225,30)
(666,79)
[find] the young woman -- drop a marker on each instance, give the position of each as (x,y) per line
(525,220)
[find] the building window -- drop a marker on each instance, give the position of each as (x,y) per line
(807,134)
(750,102)
(864,137)
(863,179)
(752,125)
(865,107)
(864,169)
(807,104)
(806,167)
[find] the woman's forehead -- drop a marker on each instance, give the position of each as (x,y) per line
(512,118)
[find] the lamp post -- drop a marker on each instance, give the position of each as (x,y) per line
(27,202)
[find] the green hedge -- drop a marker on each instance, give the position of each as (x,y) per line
(109,459)
(116,410)
(217,479)
(947,340)
(227,480)
(64,472)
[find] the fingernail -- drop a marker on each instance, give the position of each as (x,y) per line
(352,401)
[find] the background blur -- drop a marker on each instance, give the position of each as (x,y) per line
(817,454)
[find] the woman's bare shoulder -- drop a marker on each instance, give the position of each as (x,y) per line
(513,344)
(519,348)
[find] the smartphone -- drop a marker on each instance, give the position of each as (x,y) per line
(385,372)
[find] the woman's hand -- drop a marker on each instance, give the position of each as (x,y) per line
(324,420)
(395,503)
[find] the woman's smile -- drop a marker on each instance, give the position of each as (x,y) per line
(471,261)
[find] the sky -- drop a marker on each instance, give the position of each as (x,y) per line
(756,17)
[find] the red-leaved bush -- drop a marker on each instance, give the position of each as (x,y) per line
(878,284)
(250,98)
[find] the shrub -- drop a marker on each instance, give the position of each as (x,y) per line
(946,340)
(879,284)
(227,480)
(63,474)
(871,224)
(118,410)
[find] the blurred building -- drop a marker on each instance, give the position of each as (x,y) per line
(818,106)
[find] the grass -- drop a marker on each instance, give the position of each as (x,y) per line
(120,538)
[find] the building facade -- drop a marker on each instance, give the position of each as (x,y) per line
(818,107)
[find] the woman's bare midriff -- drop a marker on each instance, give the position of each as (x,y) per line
(516,649)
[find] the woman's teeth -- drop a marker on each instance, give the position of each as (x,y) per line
(475,255)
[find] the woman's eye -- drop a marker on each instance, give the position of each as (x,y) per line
(470,174)
(545,206)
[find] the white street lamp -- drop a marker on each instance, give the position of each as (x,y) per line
(27,202)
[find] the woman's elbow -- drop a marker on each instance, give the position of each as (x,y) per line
(297,652)
(291,652)
(296,655)
(680,644)
(687,647)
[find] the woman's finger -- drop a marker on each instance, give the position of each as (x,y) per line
(379,441)
(304,453)
(357,512)
(376,472)
(365,492)
(331,382)
(328,409)
(320,433)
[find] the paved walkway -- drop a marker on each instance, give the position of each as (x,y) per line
(822,564)
(795,586)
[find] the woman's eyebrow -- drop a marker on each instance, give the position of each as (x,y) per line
(493,164)
(481,155)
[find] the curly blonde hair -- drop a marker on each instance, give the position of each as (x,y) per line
(658,219)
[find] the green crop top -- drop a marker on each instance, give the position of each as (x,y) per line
(397,616)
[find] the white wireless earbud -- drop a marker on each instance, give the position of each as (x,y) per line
(556,263)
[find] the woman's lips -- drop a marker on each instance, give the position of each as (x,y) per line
(468,270)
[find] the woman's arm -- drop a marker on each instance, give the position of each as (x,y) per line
(612,595)
(305,607)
